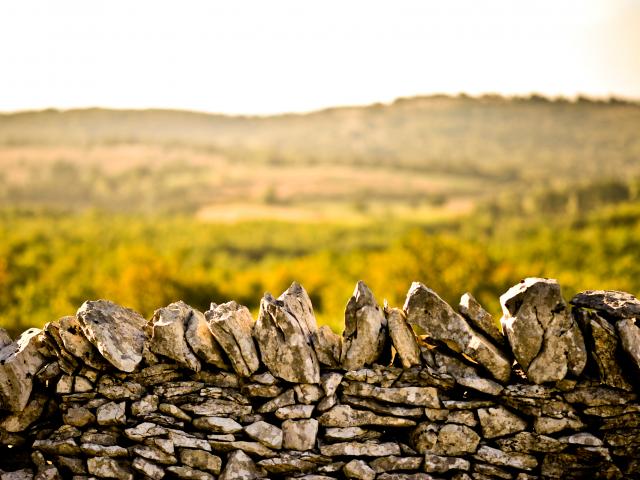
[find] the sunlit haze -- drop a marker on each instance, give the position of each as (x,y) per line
(259,57)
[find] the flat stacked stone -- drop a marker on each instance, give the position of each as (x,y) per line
(196,396)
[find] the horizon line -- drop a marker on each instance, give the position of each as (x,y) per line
(533,96)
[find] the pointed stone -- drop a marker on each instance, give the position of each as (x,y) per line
(480,319)
(76,343)
(284,339)
(364,335)
(240,467)
(201,341)
(117,332)
(403,338)
(168,339)
(544,338)
(231,325)
(426,309)
(19,362)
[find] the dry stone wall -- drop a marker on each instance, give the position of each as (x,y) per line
(108,394)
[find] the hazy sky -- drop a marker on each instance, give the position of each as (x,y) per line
(274,56)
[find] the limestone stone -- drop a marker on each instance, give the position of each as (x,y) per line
(154,454)
(22,474)
(544,338)
(495,456)
(345,416)
(114,389)
(174,411)
(439,464)
(418,396)
(57,447)
(308,393)
(462,417)
(148,468)
(201,341)
(213,407)
(466,375)
(360,449)
(327,402)
(144,430)
(293,412)
(145,405)
(330,382)
(630,339)
(548,425)
(284,335)
(403,338)
(598,396)
(364,335)
(328,346)
(583,438)
(394,463)
(20,421)
(265,433)
(283,400)
(239,466)
(299,434)
(382,408)
(201,460)
(480,319)
(611,304)
(168,339)
(427,310)
(95,450)
(342,434)
(117,332)
(76,343)
(105,467)
(456,440)
(359,470)
(112,413)
(182,439)
(408,476)
(528,442)
(78,417)
(217,424)
(189,473)
(19,362)
(498,422)
(602,340)
(231,325)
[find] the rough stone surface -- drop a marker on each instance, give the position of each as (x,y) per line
(438,416)
(427,310)
(231,325)
(544,338)
(168,339)
(117,332)
(19,362)
(403,338)
(480,319)
(364,333)
(610,303)
(283,332)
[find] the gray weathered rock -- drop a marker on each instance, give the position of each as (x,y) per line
(117,332)
(240,467)
(78,417)
(201,460)
(265,433)
(168,339)
(328,346)
(456,440)
(494,456)
(609,303)
(112,413)
(342,434)
(299,434)
(345,416)
(20,421)
(602,343)
(360,449)
(419,396)
(359,470)
(148,468)
(527,442)
(285,339)
(498,422)
(188,473)
(293,412)
(201,341)
(403,338)
(232,327)
(19,362)
(465,374)
(480,319)
(439,464)
(105,467)
(544,338)
(394,463)
(76,343)
(217,424)
(630,339)
(426,309)
(364,334)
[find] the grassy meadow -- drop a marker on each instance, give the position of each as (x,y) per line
(147,207)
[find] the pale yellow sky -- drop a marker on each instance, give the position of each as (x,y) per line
(264,57)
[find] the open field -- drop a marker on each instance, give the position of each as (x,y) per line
(147,207)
